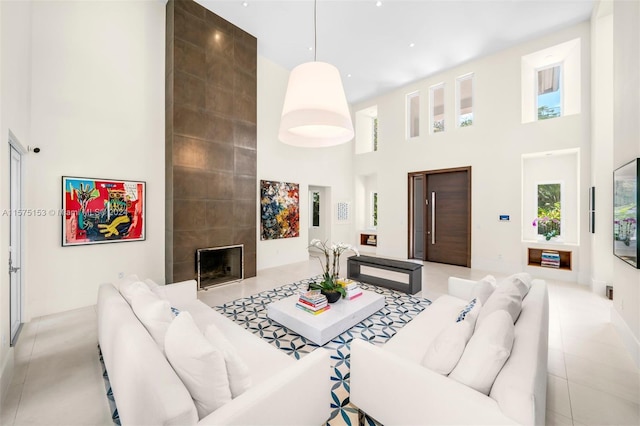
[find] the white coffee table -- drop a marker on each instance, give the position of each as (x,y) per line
(323,327)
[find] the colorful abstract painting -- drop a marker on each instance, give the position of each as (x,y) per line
(102,211)
(279,210)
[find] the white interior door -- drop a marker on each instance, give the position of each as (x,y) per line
(15,238)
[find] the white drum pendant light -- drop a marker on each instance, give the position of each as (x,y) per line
(315,112)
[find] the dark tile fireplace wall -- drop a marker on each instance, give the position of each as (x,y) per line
(210,138)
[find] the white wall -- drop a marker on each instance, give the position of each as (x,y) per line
(97,110)
(327,167)
(493,147)
(556,167)
(626,146)
(602,145)
(15,68)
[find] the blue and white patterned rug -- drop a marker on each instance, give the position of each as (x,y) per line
(400,308)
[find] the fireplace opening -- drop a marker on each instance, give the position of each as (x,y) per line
(219,265)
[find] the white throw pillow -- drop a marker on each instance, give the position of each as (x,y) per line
(128,279)
(237,369)
(154,313)
(483,289)
(447,348)
(506,297)
(157,289)
(485,354)
(129,289)
(198,363)
(521,280)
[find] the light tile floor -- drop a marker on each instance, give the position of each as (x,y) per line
(592,378)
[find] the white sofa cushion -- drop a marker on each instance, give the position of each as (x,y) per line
(154,313)
(256,352)
(237,370)
(506,297)
(129,288)
(483,289)
(157,289)
(446,349)
(412,341)
(198,363)
(125,280)
(485,354)
(521,280)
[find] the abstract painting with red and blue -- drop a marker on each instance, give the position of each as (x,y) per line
(102,211)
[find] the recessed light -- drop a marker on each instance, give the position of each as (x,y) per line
(310,48)
(348,75)
(245,4)
(411,44)
(378,3)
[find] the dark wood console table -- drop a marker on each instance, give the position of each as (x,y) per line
(414,270)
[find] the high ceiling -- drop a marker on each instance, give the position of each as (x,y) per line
(378,48)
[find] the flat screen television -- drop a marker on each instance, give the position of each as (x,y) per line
(625,212)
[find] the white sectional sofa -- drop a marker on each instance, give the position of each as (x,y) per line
(148,391)
(390,384)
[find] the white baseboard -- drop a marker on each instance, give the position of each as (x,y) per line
(630,340)
(6,374)
(599,287)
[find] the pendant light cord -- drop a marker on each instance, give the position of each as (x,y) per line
(315,30)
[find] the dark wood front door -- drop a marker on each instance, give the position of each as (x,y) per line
(445,220)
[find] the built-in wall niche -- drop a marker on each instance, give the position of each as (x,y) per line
(550,197)
(367,130)
(550,82)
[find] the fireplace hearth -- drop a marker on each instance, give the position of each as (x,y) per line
(219,265)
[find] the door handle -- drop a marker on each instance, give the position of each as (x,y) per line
(12,269)
(433,218)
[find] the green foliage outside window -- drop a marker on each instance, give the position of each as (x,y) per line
(545,112)
(549,210)
(375,209)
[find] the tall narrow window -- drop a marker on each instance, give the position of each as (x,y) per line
(549,219)
(437,108)
(549,92)
(367,130)
(464,101)
(374,209)
(315,208)
(374,132)
(413,115)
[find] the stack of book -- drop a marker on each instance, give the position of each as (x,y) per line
(313,302)
(352,288)
(550,259)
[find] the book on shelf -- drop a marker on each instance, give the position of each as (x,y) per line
(550,259)
(316,312)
